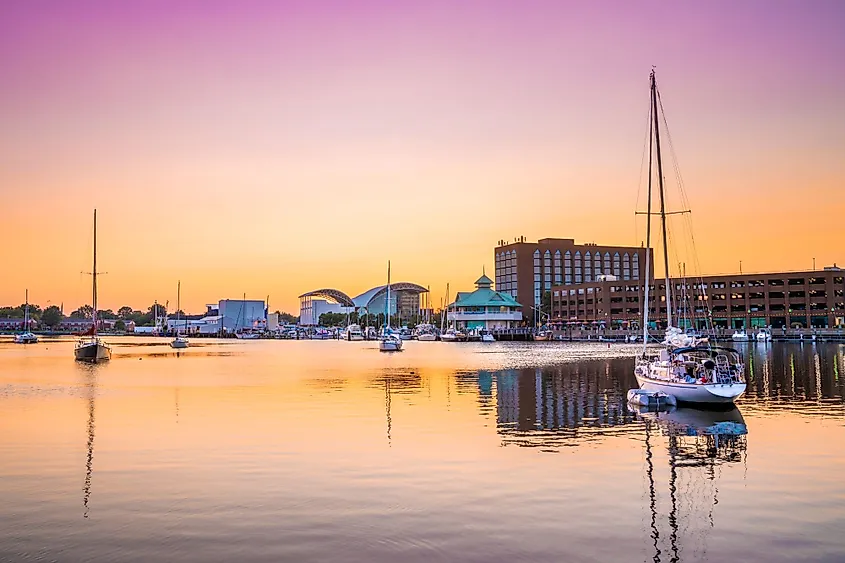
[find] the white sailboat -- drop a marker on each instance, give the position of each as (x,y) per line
(388,341)
(91,348)
(692,371)
(26,337)
(180,341)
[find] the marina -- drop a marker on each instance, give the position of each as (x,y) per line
(473,451)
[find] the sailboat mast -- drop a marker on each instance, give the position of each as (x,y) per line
(646,304)
(387,302)
(94,274)
(662,199)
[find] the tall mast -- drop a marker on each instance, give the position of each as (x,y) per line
(26,313)
(662,199)
(646,304)
(387,302)
(94,274)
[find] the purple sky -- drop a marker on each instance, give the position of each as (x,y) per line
(212,105)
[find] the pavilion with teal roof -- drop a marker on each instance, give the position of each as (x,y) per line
(484,308)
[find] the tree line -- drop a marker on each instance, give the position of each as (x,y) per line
(52,316)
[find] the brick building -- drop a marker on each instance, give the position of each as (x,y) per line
(526,270)
(807,299)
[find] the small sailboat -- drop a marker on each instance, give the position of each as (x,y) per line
(180,341)
(91,348)
(692,371)
(388,341)
(486,335)
(26,337)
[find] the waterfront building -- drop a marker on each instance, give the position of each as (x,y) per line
(808,299)
(10,324)
(484,308)
(527,270)
(404,302)
(235,315)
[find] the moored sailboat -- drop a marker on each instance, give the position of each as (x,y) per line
(388,341)
(26,337)
(180,341)
(92,349)
(691,370)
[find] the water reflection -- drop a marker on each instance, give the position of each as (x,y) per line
(698,441)
(563,405)
(90,385)
(560,406)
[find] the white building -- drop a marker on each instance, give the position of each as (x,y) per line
(484,308)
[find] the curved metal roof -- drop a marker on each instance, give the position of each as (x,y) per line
(367,297)
(333,294)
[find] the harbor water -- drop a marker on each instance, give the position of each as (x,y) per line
(331,451)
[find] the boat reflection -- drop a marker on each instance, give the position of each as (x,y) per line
(698,442)
(90,383)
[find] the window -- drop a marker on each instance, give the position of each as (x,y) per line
(718,297)
(636,261)
(738,296)
(597,264)
(547,270)
(796,281)
(817,281)
(737,308)
(756,295)
(626,267)
(578,267)
(588,267)
(776,295)
(537,277)
(776,283)
(737,284)
(756,283)
(606,269)
(567,267)
(777,307)
(617,270)
(558,278)
(797,295)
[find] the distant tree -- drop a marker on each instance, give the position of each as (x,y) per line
(51,317)
(11,312)
(286,318)
(333,319)
(124,312)
(106,314)
(120,325)
(546,306)
(34,310)
(84,312)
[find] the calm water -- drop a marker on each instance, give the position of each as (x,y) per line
(331,451)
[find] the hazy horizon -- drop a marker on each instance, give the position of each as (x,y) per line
(280,147)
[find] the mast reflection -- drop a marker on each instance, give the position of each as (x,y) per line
(90,380)
(698,441)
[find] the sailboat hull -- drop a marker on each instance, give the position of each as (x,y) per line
(179,343)
(26,338)
(712,393)
(94,351)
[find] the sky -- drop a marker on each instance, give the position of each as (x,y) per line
(272,148)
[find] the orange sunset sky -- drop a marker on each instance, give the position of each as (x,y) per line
(271,148)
